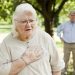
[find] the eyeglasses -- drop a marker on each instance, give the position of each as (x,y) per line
(31,21)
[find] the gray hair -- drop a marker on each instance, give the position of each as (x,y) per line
(19,10)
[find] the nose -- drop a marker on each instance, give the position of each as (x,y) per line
(28,24)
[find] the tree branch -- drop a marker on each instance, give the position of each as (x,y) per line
(60,7)
(34,7)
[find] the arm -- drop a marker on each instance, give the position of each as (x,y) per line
(4,59)
(60,30)
(8,67)
(57,63)
(27,58)
(17,66)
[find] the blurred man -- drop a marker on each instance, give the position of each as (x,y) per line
(66,32)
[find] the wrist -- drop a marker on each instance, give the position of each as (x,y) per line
(24,60)
(17,66)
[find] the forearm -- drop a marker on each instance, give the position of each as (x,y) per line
(56,73)
(5,68)
(27,58)
(17,66)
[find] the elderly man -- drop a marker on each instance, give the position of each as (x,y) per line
(28,50)
(68,37)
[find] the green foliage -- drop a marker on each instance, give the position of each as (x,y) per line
(63,16)
(57,3)
(7,6)
(6,11)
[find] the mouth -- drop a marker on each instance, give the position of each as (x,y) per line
(28,29)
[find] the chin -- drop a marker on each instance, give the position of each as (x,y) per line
(29,34)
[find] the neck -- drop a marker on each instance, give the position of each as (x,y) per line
(23,38)
(72,21)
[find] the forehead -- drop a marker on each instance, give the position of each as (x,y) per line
(26,15)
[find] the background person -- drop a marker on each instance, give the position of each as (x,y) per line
(68,38)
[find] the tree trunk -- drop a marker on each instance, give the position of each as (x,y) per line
(48,26)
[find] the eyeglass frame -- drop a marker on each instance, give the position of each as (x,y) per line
(26,21)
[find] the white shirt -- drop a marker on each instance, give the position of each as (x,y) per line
(67,32)
(12,49)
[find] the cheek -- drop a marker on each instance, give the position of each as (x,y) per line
(19,28)
(34,26)
(74,17)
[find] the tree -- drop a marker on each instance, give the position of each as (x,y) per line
(49,11)
(5,9)
(70,5)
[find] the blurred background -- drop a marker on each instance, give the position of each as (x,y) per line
(51,13)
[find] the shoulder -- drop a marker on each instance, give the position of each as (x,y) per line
(44,36)
(4,44)
(8,39)
(62,25)
(66,22)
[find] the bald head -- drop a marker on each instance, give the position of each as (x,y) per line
(72,12)
(72,16)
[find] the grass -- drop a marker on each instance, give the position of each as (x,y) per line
(5,28)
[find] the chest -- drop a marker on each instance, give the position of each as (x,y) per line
(18,49)
(69,28)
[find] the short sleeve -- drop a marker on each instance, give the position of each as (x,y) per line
(60,29)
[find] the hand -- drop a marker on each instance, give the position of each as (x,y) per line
(32,55)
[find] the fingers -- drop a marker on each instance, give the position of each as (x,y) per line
(33,54)
(38,53)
